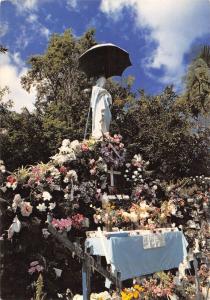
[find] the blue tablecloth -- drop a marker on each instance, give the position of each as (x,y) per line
(127,255)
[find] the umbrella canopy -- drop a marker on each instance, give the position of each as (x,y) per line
(104,60)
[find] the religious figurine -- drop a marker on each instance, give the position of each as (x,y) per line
(100,104)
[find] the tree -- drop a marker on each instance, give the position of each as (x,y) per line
(59,83)
(157,127)
(23,142)
(197,82)
(3,49)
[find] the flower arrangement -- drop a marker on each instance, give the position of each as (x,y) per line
(113,151)
(132,293)
(72,189)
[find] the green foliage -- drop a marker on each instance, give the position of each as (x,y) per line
(198,83)
(157,127)
(23,142)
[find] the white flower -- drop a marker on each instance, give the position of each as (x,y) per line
(66,180)
(54,172)
(66,143)
(52,205)
(45,233)
(67,196)
(15,227)
(78,297)
(16,224)
(46,196)
(154,187)
(103,296)
(75,145)
(59,295)
(12,185)
(133,217)
(135,172)
(144,205)
(133,176)
(58,272)
(64,156)
(137,157)
(172,208)
(16,202)
(2,169)
(125,214)
(41,207)
(72,175)
(139,169)
(144,215)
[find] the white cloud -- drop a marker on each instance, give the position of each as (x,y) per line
(36,26)
(4,27)
(44,31)
(25,5)
(72,4)
(172,24)
(23,38)
(11,70)
(32,18)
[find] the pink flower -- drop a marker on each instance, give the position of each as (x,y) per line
(37,178)
(26,209)
(35,266)
(49,179)
(39,268)
(63,170)
(92,161)
(93,171)
(34,263)
(85,147)
(35,170)
(62,224)
(31,270)
(77,220)
(158,291)
(117,141)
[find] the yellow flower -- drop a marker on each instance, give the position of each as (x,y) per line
(135,294)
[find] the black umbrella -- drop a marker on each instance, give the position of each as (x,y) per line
(104,59)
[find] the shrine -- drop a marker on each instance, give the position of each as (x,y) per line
(95,218)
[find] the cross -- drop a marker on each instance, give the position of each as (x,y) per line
(112,173)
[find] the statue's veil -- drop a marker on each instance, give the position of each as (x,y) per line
(101,82)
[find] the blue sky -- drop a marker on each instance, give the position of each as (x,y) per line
(160,36)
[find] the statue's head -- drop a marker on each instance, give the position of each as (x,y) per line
(101,82)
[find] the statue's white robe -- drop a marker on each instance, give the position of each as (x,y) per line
(101,115)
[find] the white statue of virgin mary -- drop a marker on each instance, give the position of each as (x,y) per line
(100,104)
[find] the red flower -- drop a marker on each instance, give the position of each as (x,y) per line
(63,170)
(11,179)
